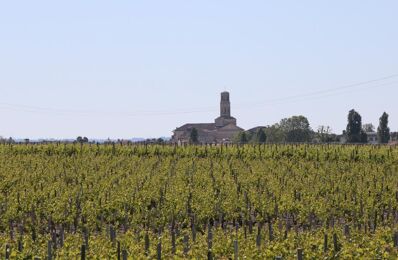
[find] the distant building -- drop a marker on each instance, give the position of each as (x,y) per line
(372,137)
(223,130)
(255,130)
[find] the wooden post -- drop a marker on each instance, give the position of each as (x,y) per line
(112,234)
(346,230)
(325,243)
(258,238)
(146,244)
(118,250)
(335,243)
(299,254)
(20,245)
(61,236)
(271,232)
(395,239)
(85,237)
(124,254)
(8,252)
(159,250)
(83,252)
(49,250)
(186,244)
(236,250)
(209,243)
(173,241)
(193,230)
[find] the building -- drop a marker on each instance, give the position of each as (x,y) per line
(223,130)
(255,130)
(372,137)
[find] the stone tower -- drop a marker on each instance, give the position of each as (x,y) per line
(225,105)
(225,112)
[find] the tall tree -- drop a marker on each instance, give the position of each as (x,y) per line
(241,138)
(260,136)
(383,131)
(193,137)
(354,127)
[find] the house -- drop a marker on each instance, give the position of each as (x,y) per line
(372,137)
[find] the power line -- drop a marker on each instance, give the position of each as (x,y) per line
(294,98)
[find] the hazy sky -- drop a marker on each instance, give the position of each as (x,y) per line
(124,69)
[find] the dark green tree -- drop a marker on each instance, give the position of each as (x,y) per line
(81,140)
(274,134)
(364,137)
(296,129)
(242,138)
(383,131)
(354,127)
(193,137)
(260,136)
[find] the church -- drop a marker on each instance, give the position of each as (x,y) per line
(223,130)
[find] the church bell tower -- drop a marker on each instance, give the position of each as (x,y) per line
(225,117)
(225,105)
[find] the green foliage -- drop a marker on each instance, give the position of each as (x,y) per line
(296,129)
(260,136)
(193,137)
(285,196)
(274,134)
(242,138)
(81,140)
(383,131)
(368,127)
(354,131)
(324,135)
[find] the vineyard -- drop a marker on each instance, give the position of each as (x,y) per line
(72,201)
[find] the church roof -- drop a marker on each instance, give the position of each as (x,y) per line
(208,127)
(255,129)
(230,127)
(199,126)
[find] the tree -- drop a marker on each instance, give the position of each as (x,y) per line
(260,136)
(81,140)
(193,137)
(364,137)
(354,131)
(368,128)
(383,131)
(274,134)
(325,135)
(296,129)
(242,137)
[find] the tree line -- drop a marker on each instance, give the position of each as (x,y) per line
(297,129)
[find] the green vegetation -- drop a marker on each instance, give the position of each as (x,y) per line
(255,201)
(193,137)
(354,131)
(383,131)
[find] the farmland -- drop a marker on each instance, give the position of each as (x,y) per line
(72,201)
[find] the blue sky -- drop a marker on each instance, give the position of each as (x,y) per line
(124,69)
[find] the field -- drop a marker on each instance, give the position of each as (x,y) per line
(72,201)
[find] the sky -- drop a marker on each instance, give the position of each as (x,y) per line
(123,69)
